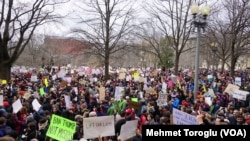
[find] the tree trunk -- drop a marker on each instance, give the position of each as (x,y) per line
(223,65)
(5,72)
(106,65)
(176,63)
(233,62)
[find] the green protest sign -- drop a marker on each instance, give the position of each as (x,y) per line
(134,99)
(61,129)
(41,90)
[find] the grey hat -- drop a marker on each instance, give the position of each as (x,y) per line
(78,117)
(29,118)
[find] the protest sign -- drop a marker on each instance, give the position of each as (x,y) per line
(98,126)
(211,92)
(17,105)
(128,129)
(182,118)
(237,81)
(102,93)
(128,77)
(41,90)
(26,95)
(4,82)
(61,129)
(164,87)
(46,82)
(67,101)
(174,79)
(208,100)
(154,73)
(54,77)
(149,90)
(162,99)
(82,82)
(119,91)
(230,88)
(141,79)
(239,94)
(75,90)
(33,78)
(122,76)
(36,105)
(134,99)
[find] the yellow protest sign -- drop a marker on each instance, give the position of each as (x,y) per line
(61,129)
(4,82)
(46,82)
(136,75)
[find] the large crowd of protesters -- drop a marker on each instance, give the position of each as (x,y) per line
(30,125)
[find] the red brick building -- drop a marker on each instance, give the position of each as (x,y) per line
(66,50)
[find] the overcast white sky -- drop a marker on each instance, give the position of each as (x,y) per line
(63,29)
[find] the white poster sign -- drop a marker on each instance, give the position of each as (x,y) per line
(67,101)
(54,77)
(36,105)
(164,87)
(230,88)
(128,77)
(61,74)
(211,92)
(162,99)
(98,126)
(76,90)
(237,81)
(174,79)
(119,91)
(128,129)
(17,105)
(209,76)
(239,94)
(182,118)
(33,78)
(208,100)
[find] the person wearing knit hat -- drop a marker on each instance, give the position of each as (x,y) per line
(92,114)
(6,104)
(78,117)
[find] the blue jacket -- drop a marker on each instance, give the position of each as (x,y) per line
(176,103)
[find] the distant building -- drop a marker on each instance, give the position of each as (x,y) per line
(60,51)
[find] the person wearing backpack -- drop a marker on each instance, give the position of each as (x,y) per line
(4,129)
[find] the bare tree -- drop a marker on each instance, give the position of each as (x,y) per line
(32,54)
(172,18)
(18,21)
(217,37)
(149,34)
(229,29)
(108,22)
(239,29)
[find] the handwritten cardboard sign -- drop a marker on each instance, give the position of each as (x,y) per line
(98,126)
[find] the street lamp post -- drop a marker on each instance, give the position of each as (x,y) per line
(214,49)
(199,22)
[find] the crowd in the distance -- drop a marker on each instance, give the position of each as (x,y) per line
(28,124)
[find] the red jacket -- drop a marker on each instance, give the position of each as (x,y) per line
(143,121)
